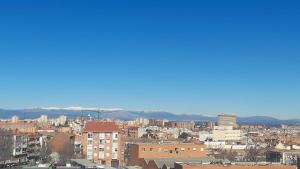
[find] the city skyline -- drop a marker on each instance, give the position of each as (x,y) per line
(195,57)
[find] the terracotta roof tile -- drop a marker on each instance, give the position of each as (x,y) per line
(101,126)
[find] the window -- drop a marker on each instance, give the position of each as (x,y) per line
(101,135)
(194,149)
(101,142)
(151,149)
(101,149)
(107,134)
(90,135)
(90,142)
(171,151)
(144,149)
(101,154)
(116,149)
(114,156)
(89,157)
(116,135)
(182,149)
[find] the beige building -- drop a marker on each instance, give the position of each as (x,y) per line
(226,133)
(227,120)
(43,119)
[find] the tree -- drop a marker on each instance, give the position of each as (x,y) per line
(45,152)
(252,154)
(184,136)
(6,144)
(224,154)
(63,144)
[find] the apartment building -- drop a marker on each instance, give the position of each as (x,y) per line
(181,124)
(101,142)
(138,152)
(26,147)
(226,133)
(157,122)
(133,132)
(227,120)
(19,126)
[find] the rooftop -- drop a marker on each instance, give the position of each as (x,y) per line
(101,126)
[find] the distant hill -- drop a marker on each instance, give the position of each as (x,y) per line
(130,115)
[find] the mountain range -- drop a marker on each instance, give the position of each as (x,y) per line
(121,114)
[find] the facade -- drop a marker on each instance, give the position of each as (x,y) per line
(60,121)
(226,133)
(26,147)
(251,126)
(181,124)
(227,120)
(141,121)
(157,122)
(140,151)
(43,119)
(133,132)
(101,142)
(20,144)
(20,126)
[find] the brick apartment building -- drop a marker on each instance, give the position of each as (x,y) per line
(101,142)
(133,132)
(181,124)
(140,151)
(20,126)
(157,122)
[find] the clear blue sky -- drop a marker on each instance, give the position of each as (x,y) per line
(201,57)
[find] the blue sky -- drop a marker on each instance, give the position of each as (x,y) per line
(200,57)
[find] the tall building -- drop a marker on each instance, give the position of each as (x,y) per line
(43,119)
(227,120)
(101,142)
(14,119)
